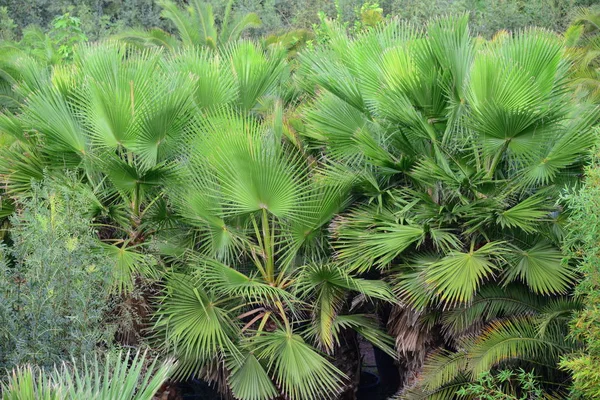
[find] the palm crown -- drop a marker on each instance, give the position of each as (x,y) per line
(262,295)
(120,118)
(461,146)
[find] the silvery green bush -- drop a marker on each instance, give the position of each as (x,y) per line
(53,279)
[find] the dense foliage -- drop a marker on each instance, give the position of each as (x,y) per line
(457,179)
(505,385)
(583,243)
(105,17)
(257,209)
(53,279)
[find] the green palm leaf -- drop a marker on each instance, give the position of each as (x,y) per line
(369,328)
(230,283)
(366,241)
(232,30)
(490,303)
(541,267)
(193,327)
(457,276)
(443,367)
(517,339)
(257,74)
(142,39)
(445,392)
(186,26)
(250,381)
(245,171)
(527,214)
(129,264)
(214,82)
(325,287)
(62,132)
(299,371)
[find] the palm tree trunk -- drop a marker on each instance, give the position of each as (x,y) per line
(347,359)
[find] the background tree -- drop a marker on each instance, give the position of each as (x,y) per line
(101,18)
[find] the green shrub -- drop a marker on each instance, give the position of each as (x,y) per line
(66,33)
(504,385)
(583,241)
(53,279)
(7,25)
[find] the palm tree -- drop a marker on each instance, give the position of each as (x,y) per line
(461,147)
(193,149)
(195,25)
(257,306)
(507,326)
(118,117)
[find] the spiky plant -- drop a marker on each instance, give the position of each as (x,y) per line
(126,376)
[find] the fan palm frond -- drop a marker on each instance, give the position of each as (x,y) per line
(193,327)
(299,370)
(542,267)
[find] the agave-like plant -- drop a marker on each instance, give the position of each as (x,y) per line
(461,147)
(258,307)
(128,376)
